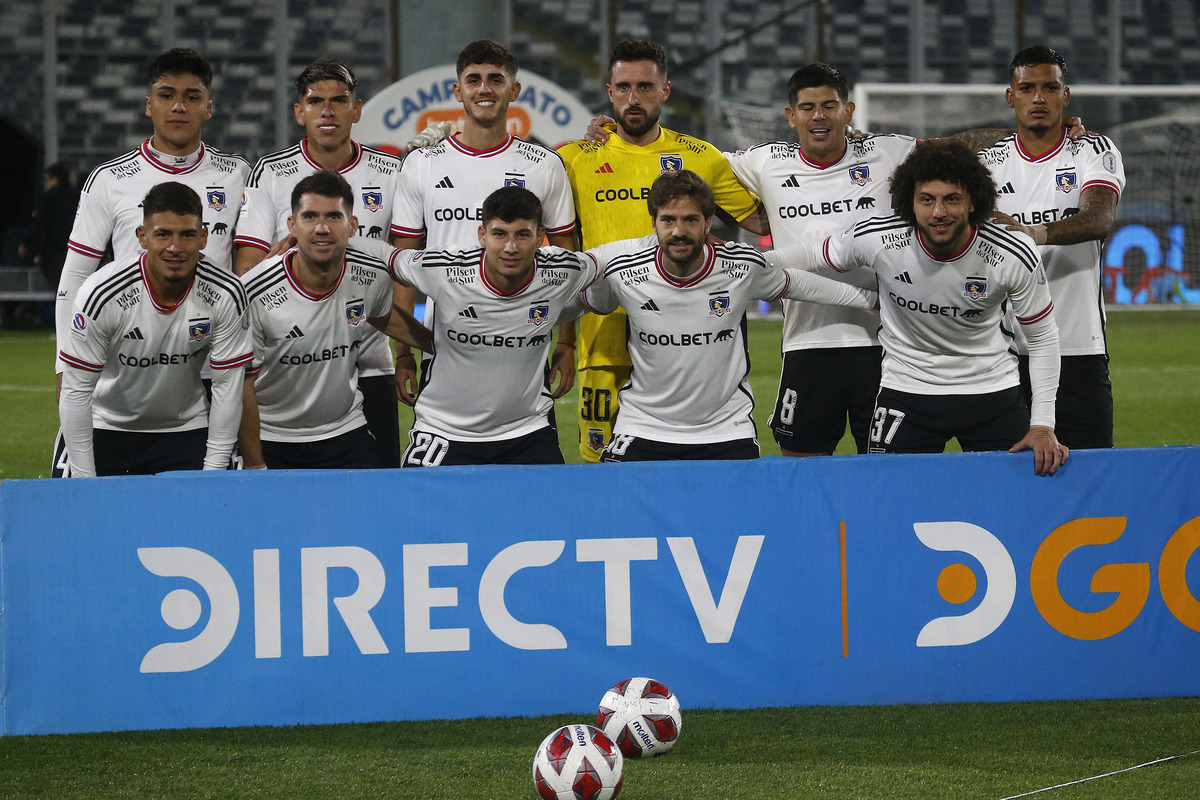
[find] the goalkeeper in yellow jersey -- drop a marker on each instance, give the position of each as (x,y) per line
(611,182)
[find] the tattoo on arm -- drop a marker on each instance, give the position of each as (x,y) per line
(979,138)
(1097,212)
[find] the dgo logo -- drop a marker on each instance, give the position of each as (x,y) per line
(1131,582)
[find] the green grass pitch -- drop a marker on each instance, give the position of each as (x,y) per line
(952,751)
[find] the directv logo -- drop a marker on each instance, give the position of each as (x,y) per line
(294,333)
(136,335)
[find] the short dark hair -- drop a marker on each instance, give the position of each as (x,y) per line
(671,186)
(510,203)
(639,50)
(943,160)
(59,171)
(324,183)
(174,197)
(1035,55)
(325,69)
(486,51)
(181,61)
(818,75)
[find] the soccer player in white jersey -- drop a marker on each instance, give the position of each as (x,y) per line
(441,187)
(1063,193)
(819,185)
(178,104)
(132,399)
(327,107)
(946,277)
(485,395)
(310,308)
(688,396)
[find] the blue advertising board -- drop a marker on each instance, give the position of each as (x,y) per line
(196,600)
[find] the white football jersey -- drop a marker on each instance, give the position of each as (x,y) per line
(1039,190)
(149,355)
(487,377)
(110,204)
(805,199)
(942,317)
(441,189)
(687,342)
(267,204)
(305,345)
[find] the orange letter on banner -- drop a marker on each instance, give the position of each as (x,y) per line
(1172,574)
(1131,582)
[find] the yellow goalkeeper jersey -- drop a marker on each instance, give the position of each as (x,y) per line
(610,183)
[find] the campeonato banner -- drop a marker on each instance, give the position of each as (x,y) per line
(543,111)
(196,600)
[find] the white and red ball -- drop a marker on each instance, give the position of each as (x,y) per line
(578,762)
(642,716)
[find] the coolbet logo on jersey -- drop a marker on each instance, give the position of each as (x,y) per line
(372,201)
(355,312)
(1064,181)
(199,329)
(860,176)
(976,289)
(539,314)
(670,162)
(719,306)
(216,199)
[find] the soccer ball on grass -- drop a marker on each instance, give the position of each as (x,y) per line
(578,762)
(642,716)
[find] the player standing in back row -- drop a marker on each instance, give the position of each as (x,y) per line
(1063,193)
(611,182)
(820,185)
(327,106)
(441,189)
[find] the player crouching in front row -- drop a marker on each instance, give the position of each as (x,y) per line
(132,399)
(689,396)
(310,309)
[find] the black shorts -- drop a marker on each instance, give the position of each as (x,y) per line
(427,449)
(125,453)
(819,390)
(383,416)
(919,423)
(351,450)
(624,448)
(1083,409)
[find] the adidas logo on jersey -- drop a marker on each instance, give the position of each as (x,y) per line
(444,183)
(136,335)
(904,277)
(469,313)
(792,182)
(1006,189)
(650,305)
(294,333)
(605,170)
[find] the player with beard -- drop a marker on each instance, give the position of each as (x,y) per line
(946,279)
(132,399)
(327,106)
(1063,193)
(310,309)
(611,181)
(688,394)
(440,190)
